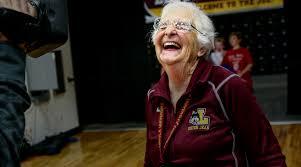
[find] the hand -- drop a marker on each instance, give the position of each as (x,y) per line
(19,5)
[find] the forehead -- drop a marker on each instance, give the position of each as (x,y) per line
(234,36)
(177,13)
(218,42)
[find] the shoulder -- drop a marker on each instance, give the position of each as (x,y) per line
(221,76)
(150,92)
(155,87)
(227,52)
(244,49)
(219,73)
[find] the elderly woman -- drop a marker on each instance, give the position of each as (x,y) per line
(199,114)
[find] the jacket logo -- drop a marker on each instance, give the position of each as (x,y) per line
(198,120)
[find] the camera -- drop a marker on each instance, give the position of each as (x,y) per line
(41,34)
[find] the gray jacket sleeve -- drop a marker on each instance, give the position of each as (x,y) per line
(14,101)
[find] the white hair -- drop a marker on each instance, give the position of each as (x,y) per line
(201,21)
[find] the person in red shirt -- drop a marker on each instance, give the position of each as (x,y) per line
(199,114)
(239,59)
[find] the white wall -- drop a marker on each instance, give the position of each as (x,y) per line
(57,115)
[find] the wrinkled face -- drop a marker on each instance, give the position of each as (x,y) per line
(234,40)
(176,40)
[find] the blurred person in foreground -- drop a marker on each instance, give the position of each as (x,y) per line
(14,99)
(199,114)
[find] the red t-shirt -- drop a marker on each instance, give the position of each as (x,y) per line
(238,60)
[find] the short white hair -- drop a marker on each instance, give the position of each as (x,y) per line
(201,21)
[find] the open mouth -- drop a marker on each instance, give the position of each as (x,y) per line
(171,46)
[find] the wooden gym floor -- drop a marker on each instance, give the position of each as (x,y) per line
(126,149)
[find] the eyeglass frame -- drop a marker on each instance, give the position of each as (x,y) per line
(174,23)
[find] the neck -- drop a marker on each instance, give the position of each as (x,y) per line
(236,47)
(179,76)
(178,80)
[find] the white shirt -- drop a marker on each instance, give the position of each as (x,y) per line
(216,57)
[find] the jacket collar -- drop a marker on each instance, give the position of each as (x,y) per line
(199,77)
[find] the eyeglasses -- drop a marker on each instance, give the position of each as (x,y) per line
(182,26)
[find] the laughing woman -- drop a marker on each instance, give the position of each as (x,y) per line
(198,114)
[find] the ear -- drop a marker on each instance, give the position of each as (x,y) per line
(201,52)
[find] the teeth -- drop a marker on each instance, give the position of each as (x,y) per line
(171,43)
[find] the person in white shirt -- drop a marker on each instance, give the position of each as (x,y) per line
(216,57)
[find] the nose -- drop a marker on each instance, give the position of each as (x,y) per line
(170,31)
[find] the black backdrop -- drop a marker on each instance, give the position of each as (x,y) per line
(294,81)
(109,60)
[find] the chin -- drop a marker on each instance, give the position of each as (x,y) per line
(170,59)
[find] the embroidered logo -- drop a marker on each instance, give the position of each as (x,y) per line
(198,120)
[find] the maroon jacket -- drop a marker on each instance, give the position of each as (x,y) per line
(221,125)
